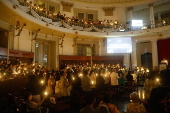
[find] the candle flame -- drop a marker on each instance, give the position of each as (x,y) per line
(46,93)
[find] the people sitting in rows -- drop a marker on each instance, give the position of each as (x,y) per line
(135,106)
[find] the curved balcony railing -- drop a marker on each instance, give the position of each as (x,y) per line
(76,24)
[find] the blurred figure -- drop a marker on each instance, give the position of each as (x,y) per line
(135,106)
(106,101)
(129,77)
(158,100)
(90,101)
(86,82)
(149,84)
(102,109)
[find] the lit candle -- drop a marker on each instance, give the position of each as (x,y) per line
(4,73)
(42,82)
(157,79)
(147,70)
(46,93)
(92,82)
(73,78)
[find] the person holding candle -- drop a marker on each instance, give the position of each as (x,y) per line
(51,82)
(86,82)
(62,86)
(31,104)
(76,82)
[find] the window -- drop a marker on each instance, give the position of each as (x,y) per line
(42,53)
(90,16)
(52,9)
(85,50)
(45,54)
(37,48)
(81,15)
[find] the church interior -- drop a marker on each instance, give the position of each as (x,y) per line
(84,56)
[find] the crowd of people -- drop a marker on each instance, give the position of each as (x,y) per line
(87,79)
(69,20)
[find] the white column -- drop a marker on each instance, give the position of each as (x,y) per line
(126,61)
(154,53)
(134,56)
(159,16)
(152,20)
(57,54)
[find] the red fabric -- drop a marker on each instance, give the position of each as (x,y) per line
(164,50)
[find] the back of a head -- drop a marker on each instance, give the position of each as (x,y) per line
(102,109)
(85,72)
(135,97)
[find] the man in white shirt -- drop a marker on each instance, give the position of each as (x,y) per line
(114,78)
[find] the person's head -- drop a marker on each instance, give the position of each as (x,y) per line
(129,72)
(134,97)
(102,109)
(28,96)
(85,72)
(63,73)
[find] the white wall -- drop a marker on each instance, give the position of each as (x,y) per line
(24,41)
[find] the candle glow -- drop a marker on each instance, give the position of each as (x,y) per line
(46,93)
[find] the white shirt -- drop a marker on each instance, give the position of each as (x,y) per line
(114,78)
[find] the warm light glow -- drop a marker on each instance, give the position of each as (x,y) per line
(157,79)
(42,82)
(4,73)
(147,70)
(92,82)
(46,93)
(73,78)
